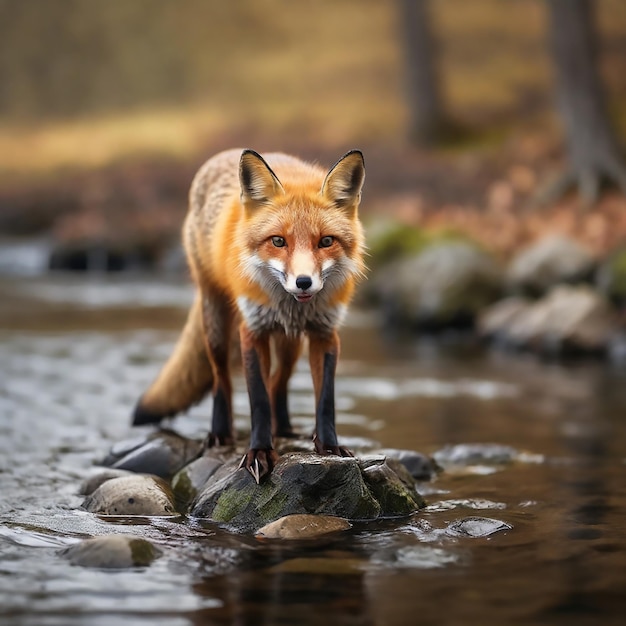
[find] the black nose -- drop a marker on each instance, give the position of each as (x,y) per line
(303,282)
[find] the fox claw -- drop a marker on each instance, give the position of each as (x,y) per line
(259,463)
(320,448)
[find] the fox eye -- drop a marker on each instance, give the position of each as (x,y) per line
(279,242)
(326,242)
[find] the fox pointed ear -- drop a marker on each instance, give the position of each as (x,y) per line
(258,182)
(344,182)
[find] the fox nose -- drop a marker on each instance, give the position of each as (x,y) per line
(303,282)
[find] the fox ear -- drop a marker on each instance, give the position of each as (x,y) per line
(258,182)
(344,182)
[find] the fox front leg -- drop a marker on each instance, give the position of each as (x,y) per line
(323,355)
(261,457)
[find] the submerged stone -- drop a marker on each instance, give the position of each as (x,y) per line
(303,526)
(475,453)
(476,527)
(304,483)
(112,552)
(162,453)
(136,494)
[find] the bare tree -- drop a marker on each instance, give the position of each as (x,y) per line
(428,123)
(593,151)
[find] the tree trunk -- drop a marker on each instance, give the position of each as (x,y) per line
(594,155)
(428,122)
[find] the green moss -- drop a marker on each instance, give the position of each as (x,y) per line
(617,270)
(274,507)
(232,502)
(389,241)
(392,495)
(184,491)
(142,552)
(367,507)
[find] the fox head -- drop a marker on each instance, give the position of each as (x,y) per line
(302,235)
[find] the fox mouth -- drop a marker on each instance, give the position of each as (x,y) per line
(303,297)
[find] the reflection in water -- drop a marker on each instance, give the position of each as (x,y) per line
(69,374)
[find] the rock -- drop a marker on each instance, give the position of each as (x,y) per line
(162,453)
(303,526)
(388,240)
(89,485)
(475,454)
(419,466)
(445,285)
(304,483)
(552,260)
(137,494)
(112,552)
(568,320)
(188,482)
(495,321)
(476,527)
(390,491)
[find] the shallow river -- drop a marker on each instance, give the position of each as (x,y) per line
(74,357)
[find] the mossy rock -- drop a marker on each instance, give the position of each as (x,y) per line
(304,483)
(447,284)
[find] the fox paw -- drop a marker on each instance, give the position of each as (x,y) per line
(259,463)
(213,441)
(320,448)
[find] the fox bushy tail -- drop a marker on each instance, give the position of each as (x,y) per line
(185,379)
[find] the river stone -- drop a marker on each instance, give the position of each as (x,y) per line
(446,284)
(552,260)
(188,482)
(162,453)
(137,494)
(419,466)
(301,483)
(475,453)
(567,319)
(390,490)
(476,527)
(303,526)
(496,320)
(89,485)
(112,552)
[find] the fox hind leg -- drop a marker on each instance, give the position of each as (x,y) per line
(217,316)
(287,350)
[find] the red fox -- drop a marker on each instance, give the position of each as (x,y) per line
(277,244)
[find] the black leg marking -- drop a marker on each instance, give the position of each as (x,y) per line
(281,412)
(261,412)
(325,415)
(221,428)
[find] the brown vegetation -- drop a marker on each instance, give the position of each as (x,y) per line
(108,109)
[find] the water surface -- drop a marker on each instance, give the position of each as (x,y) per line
(74,356)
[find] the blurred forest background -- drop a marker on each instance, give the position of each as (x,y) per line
(108,108)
